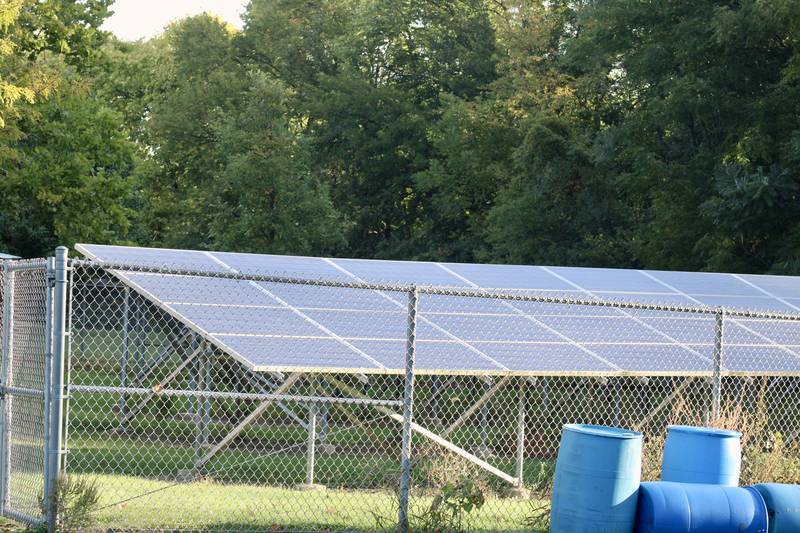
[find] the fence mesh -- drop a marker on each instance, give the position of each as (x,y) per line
(165,423)
(25,336)
(177,432)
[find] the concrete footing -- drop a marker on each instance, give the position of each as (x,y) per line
(310,487)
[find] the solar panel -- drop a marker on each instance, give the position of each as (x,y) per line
(294,327)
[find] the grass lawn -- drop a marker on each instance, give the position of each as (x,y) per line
(132,503)
(10,526)
(254,508)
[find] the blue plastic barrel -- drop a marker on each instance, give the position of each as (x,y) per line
(596,481)
(783,506)
(702,455)
(668,507)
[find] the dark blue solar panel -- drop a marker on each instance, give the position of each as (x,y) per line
(508,276)
(304,267)
(285,326)
(429,355)
(765,359)
(337,298)
(656,358)
(219,321)
(398,272)
(153,257)
(764,303)
(265,353)
(608,279)
(191,289)
(383,325)
(783,286)
(693,283)
(543,358)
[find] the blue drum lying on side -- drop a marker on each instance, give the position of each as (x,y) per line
(783,506)
(669,507)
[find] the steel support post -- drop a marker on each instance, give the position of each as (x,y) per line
(545,393)
(313,411)
(521,434)
(140,349)
(484,433)
(434,403)
(617,402)
(55,452)
(207,362)
(194,383)
(716,390)
(323,416)
(408,411)
(5,419)
(123,359)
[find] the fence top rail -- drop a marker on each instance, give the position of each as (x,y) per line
(12,265)
(508,294)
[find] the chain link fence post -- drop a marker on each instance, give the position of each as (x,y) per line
(408,410)
(56,385)
(48,374)
(5,414)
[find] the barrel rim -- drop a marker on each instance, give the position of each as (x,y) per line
(603,431)
(701,430)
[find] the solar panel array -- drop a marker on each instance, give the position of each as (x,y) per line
(291,327)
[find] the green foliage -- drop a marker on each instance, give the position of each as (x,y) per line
(68,181)
(266,198)
(75,498)
(616,133)
(451,506)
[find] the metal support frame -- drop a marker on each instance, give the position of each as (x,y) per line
(484,449)
(617,401)
(139,337)
(408,411)
(57,397)
(160,357)
(155,389)
(249,419)
(428,434)
(123,360)
(435,388)
(324,425)
(716,393)
(545,393)
(266,385)
(487,395)
(5,419)
(663,404)
(521,434)
(204,363)
(313,411)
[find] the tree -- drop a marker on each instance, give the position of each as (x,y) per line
(691,91)
(64,158)
(265,198)
(69,181)
(200,81)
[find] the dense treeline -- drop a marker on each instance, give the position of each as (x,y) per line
(660,134)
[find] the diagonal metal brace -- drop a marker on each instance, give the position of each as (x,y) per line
(428,434)
(285,386)
(159,386)
(488,395)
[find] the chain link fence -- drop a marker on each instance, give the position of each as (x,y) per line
(25,340)
(175,432)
